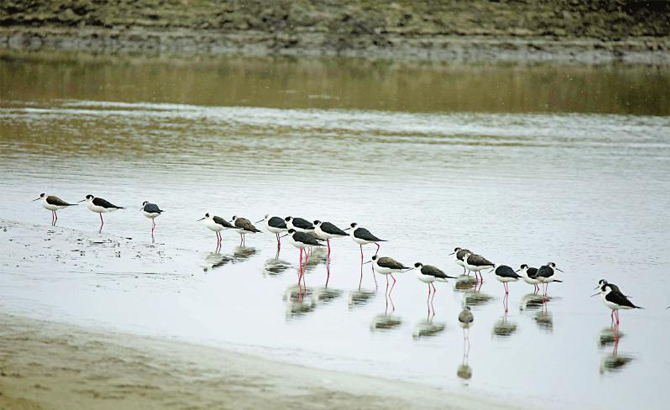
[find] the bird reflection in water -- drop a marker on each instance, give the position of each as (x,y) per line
(428,327)
(275,266)
(476,298)
(360,297)
(215,260)
(465,320)
(465,283)
(503,327)
(299,301)
(322,296)
(385,321)
(613,362)
(544,318)
(242,253)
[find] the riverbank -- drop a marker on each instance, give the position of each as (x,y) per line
(481,31)
(46,365)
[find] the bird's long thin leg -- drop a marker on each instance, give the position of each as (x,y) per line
(102,223)
(361,254)
(327,271)
(328,242)
(428,300)
(392,286)
(55,217)
(52,218)
(377,248)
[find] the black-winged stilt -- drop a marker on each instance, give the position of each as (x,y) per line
(216,224)
(244,227)
(615,300)
(326,231)
(151,211)
(53,204)
(100,206)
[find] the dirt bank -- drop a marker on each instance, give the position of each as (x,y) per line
(593,32)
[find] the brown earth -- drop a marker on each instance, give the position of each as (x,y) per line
(564,30)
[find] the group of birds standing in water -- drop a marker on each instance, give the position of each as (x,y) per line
(306,235)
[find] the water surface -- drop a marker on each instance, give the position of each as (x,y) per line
(522,164)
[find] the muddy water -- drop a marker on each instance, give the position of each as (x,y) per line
(522,164)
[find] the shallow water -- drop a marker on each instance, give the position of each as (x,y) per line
(522,164)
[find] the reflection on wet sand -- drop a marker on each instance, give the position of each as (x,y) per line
(613,362)
(316,256)
(545,320)
(215,260)
(360,297)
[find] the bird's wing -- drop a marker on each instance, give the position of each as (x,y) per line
(277,222)
(433,271)
(54,200)
(220,221)
(152,208)
(386,262)
(302,223)
(104,203)
(332,229)
(362,233)
(306,238)
(619,298)
(245,224)
(532,272)
(479,260)
(544,272)
(506,272)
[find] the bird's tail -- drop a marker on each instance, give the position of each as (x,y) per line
(639,307)
(556,280)
(120,207)
(71,204)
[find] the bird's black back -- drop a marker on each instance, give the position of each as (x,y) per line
(104,203)
(505,271)
(532,272)
(306,239)
(390,263)
(54,200)
(362,233)
(220,221)
(277,222)
(619,298)
(330,228)
(152,209)
(429,270)
(302,223)
(545,271)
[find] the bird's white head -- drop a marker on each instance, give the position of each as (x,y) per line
(207,217)
(353,225)
(145,203)
(291,231)
(42,196)
(317,223)
(418,265)
(288,218)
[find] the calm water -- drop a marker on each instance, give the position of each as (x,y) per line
(522,164)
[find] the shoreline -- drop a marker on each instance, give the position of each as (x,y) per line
(47,365)
(434,48)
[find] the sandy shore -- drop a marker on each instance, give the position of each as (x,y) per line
(46,365)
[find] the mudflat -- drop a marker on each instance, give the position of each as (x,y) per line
(45,365)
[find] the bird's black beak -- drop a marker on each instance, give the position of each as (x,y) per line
(83,200)
(595,294)
(517,271)
(36,199)
(452,253)
(257,222)
(559,270)
(284,235)
(347,228)
(365,263)
(597,287)
(200,219)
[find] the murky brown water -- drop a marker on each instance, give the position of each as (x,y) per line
(523,164)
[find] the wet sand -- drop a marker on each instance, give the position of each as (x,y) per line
(46,365)
(53,365)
